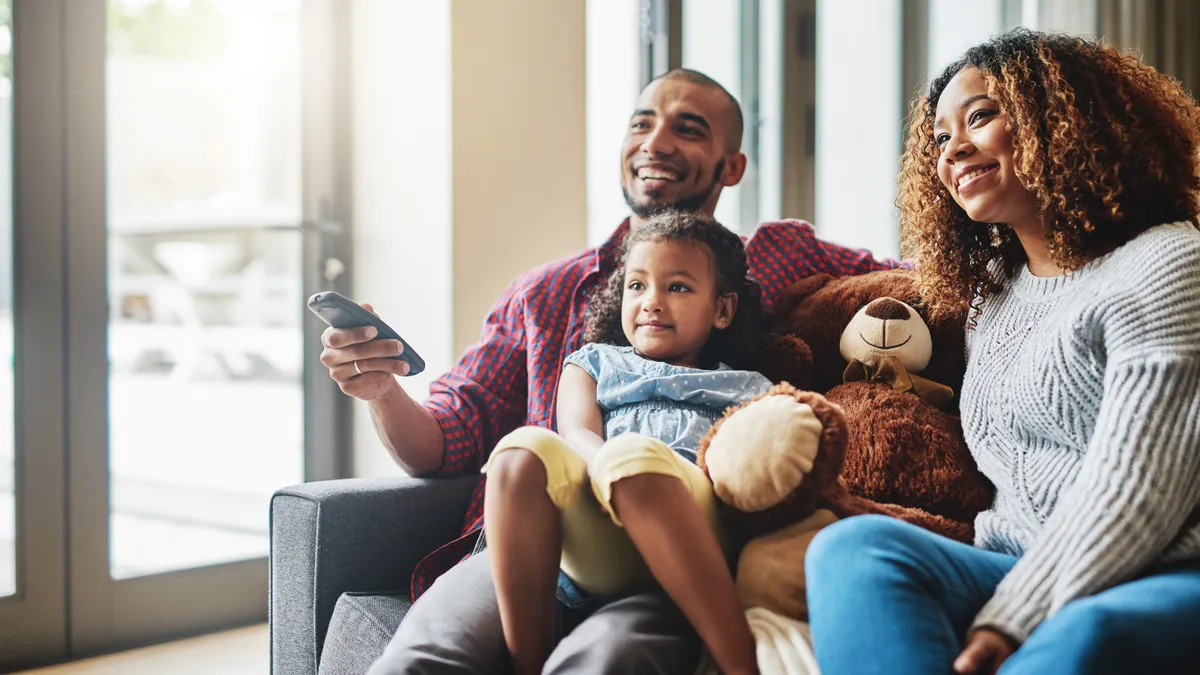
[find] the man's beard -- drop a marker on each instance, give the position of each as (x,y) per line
(692,203)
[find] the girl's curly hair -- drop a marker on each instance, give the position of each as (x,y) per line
(1106,145)
(736,346)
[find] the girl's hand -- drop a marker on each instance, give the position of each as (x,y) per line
(986,651)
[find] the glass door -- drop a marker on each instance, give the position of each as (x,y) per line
(180,185)
(200,294)
(33,610)
(8,500)
(205,353)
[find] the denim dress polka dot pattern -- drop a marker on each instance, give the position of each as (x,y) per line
(674,404)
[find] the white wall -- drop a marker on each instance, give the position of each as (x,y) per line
(612,90)
(712,45)
(858,133)
(402,189)
(469,146)
(956,26)
(519,165)
(771,112)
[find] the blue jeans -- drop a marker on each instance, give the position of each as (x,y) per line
(888,597)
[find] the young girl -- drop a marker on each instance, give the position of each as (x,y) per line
(614,500)
(1049,192)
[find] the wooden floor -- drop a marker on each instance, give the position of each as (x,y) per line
(237,652)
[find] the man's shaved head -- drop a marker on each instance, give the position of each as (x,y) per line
(736,122)
(682,145)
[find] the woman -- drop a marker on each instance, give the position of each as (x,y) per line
(1049,192)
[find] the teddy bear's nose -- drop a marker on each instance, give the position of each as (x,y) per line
(887,309)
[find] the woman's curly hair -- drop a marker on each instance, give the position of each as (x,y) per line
(1106,145)
(738,345)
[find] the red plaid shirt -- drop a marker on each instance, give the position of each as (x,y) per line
(510,377)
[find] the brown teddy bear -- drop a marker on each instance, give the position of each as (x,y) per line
(878,433)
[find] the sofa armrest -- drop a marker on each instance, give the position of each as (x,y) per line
(330,537)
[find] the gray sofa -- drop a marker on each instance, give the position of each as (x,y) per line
(342,554)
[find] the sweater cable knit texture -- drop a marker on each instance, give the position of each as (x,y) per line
(1081,403)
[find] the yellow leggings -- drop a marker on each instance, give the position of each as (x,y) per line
(597,553)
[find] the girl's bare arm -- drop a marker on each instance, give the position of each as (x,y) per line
(579,420)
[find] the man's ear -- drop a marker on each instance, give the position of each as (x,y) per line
(726,308)
(735,168)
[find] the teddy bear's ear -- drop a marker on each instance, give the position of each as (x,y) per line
(948,363)
(786,358)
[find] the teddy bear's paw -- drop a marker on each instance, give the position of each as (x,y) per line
(762,452)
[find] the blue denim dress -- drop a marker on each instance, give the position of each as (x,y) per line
(674,404)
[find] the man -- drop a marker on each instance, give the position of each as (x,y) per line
(682,148)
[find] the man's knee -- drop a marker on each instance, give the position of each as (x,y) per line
(454,628)
(641,634)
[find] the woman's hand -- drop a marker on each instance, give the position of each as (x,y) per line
(986,651)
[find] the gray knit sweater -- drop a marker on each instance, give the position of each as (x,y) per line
(1081,402)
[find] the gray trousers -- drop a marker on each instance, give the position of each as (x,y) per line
(455,629)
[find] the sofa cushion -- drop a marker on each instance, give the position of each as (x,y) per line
(360,629)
